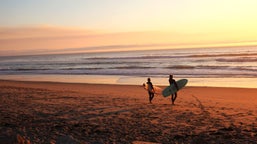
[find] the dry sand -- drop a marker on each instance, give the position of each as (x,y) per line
(41,112)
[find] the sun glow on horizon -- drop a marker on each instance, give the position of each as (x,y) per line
(57,26)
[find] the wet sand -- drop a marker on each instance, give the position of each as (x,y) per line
(44,112)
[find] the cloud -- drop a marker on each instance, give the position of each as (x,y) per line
(50,40)
(46,39)
(41,32)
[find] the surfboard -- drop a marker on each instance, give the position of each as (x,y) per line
(157,90)
(172,88)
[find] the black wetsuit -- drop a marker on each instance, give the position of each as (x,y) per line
(151,94)
(173,96)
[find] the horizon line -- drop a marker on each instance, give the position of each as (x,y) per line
(92,49)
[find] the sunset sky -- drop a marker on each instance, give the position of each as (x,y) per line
(63,26)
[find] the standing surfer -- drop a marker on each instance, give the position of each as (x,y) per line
(173,96)
(150,90)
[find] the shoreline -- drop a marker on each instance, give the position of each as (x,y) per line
(132,80)
(30,83)
(52,112)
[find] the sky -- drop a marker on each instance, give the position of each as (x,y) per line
(70,26)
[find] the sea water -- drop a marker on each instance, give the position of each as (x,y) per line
(232,67)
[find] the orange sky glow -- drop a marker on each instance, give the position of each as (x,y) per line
(115,26)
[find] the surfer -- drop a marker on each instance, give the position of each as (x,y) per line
(173,96)
(150,90)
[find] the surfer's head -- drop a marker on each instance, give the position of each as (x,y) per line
(171,76)
(148,79)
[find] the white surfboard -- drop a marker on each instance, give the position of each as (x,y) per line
(156,90)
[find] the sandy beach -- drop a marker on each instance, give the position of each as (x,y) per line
(47,112)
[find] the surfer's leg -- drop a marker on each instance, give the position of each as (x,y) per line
(172,99)
(175,96)
(152,96)
(149,97)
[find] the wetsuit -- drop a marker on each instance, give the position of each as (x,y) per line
(150,91)
(173,96)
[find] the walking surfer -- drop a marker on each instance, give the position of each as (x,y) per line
(173,96)
(150,90)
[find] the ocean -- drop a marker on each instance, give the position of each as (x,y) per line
(229,67)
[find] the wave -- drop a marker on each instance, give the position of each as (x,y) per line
(253,69)
(174,56)
(141,70)
(205,63)
(224,55)
(207,67)
(133,67)
(241,59)
(139,67)
(133,57)
(180,67)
